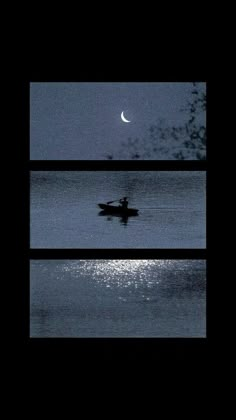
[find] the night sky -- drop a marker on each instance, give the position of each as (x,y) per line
(83,120)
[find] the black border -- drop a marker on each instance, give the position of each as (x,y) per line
(117,165)
(124,254)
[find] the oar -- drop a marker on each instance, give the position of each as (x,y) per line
(109,202)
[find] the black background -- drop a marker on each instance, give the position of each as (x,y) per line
(59,355)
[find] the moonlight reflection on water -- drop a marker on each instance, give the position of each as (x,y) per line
(118,298)
(119,273)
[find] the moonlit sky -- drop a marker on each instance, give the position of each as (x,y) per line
(82,120)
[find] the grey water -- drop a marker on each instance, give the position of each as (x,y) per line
(118,298)
(64,210)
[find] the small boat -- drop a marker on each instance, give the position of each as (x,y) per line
(107,209)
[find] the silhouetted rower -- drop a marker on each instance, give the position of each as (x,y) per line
(124,202)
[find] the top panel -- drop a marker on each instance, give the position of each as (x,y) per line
(120,121)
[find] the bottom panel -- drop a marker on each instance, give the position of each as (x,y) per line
(118,298)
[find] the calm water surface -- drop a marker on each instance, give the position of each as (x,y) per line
(118,298)
(64,211)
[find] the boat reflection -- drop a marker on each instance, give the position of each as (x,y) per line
(123,219)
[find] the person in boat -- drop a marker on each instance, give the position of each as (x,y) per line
(124,202)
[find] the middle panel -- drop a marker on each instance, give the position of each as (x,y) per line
(65,211)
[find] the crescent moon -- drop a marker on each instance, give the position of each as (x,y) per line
(123,118)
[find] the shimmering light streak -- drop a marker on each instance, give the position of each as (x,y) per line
(119,273)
